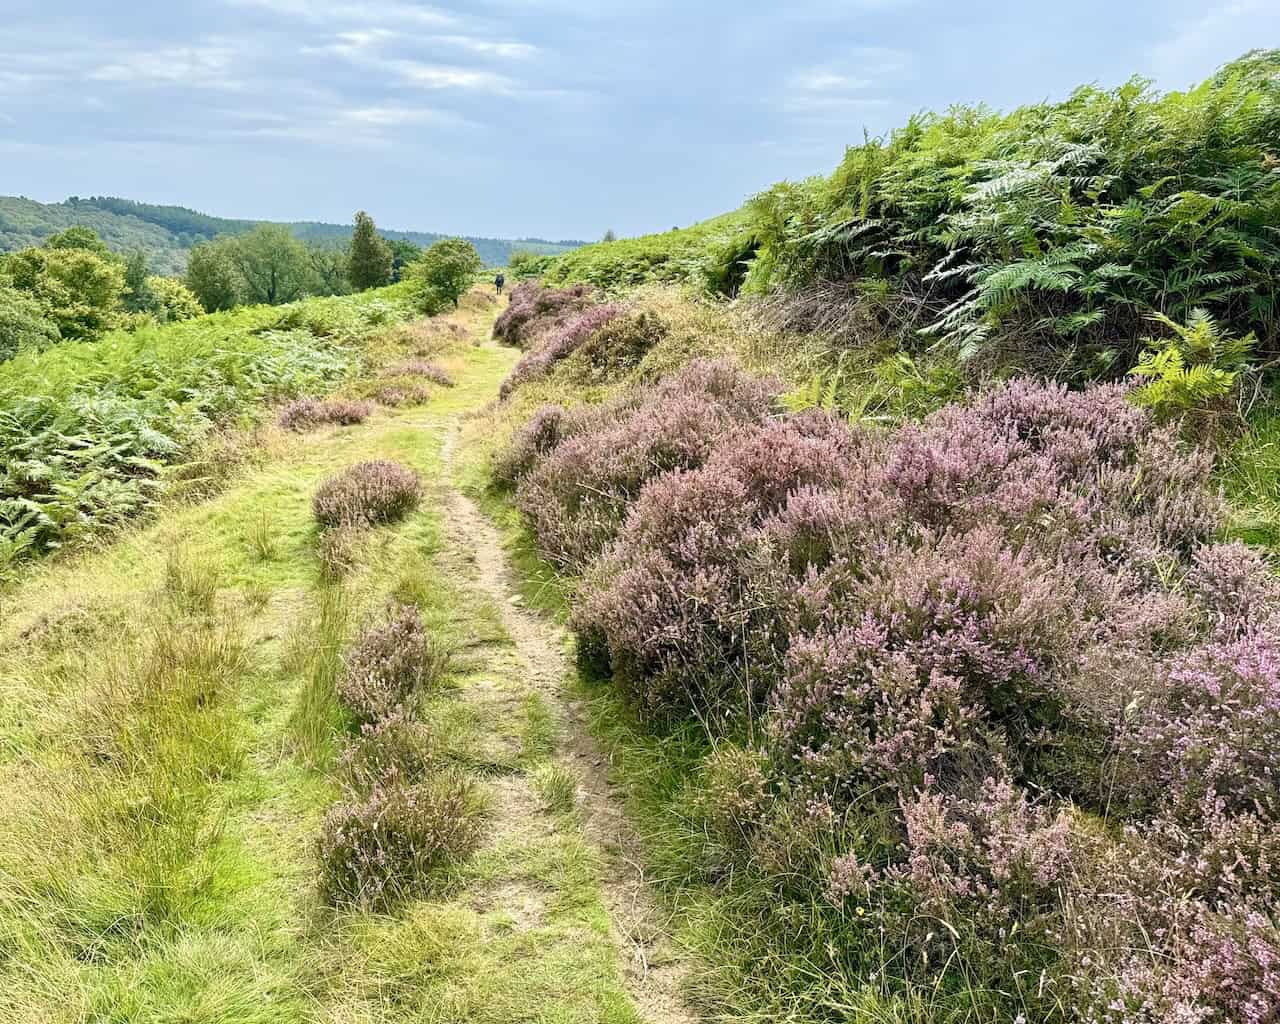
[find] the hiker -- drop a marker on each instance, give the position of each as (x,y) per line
(499,281)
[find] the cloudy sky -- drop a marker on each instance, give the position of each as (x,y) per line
(544,117)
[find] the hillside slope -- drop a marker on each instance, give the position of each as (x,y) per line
(167,233)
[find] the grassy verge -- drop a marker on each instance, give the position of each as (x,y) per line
(168,732)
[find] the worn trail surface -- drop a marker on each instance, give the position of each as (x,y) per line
(652,972)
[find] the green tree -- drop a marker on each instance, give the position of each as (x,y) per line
(172,300)
(371,256)
(273,263)
(330,268)
(444,272)
(403,252)
(136,299)
(78,237)
(610,236)
(23,323)
(213,277)
(80,290)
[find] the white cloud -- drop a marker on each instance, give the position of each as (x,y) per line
(841,87)
(445,76)
(209,66)
(349,13)
(488,48)
(1200,45)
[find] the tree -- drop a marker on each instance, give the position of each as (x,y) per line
(609,236)
(78,237)
(213,277)
(371,256)
(403,252)
(273,263)
(23,323)
(136,298)
(79,289)
(171,300)
(330,268)
(444,272)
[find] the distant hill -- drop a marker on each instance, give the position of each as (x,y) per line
(167,233)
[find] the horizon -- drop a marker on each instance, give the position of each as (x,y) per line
(506,120)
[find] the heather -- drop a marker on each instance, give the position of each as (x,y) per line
(533,309)
(559,343)
(366,494)
(389,665)
(309,413)
(990,669)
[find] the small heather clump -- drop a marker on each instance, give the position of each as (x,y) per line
(367,494)
(308,413)
(534,441)
(393,396)
(388,664)
(395,841)
(394,750)
(422,368)
(533,310)
(559,344)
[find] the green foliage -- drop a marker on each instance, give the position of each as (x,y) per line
(169,299)
(213,277)
(1193,369)
(78,237)
(525,265)
(23,323)
(1068,221)
(79,289)
(272,263)
(88,430)
(371,256)
(136,298)
(897,388)
(168,233)
(679,255)
(330,265)
(443,273)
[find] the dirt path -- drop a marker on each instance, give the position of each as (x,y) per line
(652,973)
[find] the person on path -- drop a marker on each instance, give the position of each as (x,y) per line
(499,281)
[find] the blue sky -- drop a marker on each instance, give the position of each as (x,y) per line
(543,117)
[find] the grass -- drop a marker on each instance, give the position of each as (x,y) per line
(168,739)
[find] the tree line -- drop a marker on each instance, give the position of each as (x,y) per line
(72,287)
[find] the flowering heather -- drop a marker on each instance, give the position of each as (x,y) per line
(422,368)
(392,843)
(366,494)
(998,652)
(388,664)
(577,496)
(558,344)
(533,309)
(396,749)
(393,396)
(308,413)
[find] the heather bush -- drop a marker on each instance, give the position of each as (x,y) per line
(389,663)
(532,442)
(533,309)
(559,344)
(395,750)
(393,395)
(577,496)
(366,494)
(396,841)
(308,413)
(619,347)
(422,368)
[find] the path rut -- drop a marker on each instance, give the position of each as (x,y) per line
(654,976)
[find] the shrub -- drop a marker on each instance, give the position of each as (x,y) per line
(394,396)
(441,274)
(421,368)
(23,323)
(395,842)
(388,665)
(532,442)
(559,344)
(366,494)
(308,413)
(577,497)
(393,751)
(533,309)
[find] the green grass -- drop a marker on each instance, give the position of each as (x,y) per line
(168,732)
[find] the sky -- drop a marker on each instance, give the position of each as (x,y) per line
(541,118)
